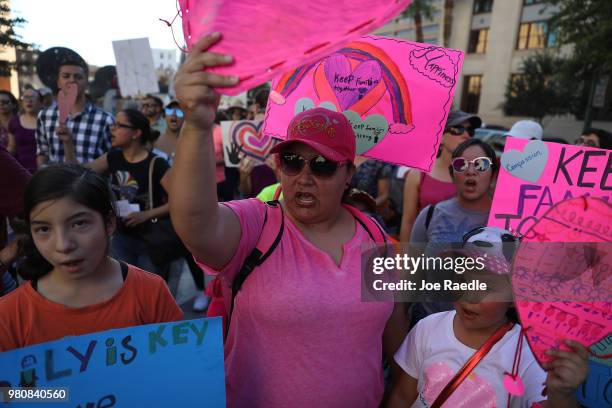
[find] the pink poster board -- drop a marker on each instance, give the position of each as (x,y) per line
(535,175)
(269,37)
(559,194)
(396,94)
(561,276)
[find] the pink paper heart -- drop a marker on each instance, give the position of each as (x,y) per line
(268,37)
(514,385)
(66,98)
(559,289)
(349,85)
(254,143)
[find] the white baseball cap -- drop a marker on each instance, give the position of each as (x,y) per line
(526,129)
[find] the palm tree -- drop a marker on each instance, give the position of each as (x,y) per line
(448,22)
(418,10)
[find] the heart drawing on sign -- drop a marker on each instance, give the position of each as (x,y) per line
(369,132)
(249,135)
(554,305)
(529,164)
(66,98)
(351,85)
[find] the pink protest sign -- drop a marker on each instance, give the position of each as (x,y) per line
(561,276)
(66,98)
(269,37)
(535,175)
(396,94)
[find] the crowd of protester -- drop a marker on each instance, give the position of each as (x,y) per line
(89,203)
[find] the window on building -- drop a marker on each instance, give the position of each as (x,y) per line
(478,41)
(431,41)
(530,2)
(536,35)
(470,99)
(483,6)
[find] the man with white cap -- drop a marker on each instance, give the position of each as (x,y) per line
(526,129)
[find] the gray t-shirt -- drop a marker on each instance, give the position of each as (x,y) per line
(448,224)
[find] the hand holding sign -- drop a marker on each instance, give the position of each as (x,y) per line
(66,98)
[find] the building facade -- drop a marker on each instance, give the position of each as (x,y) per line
(496,36)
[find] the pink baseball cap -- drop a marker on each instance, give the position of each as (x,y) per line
(328,132)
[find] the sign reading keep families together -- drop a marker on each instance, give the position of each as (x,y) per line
(536,175)
(150,365)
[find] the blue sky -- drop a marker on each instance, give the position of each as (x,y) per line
(89,27)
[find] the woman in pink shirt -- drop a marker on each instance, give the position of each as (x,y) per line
(299,333)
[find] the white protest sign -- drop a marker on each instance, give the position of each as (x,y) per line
(135,69)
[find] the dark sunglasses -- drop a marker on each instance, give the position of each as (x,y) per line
(459,130)
(174,111)
(481,164)
(292,164)
(121,125)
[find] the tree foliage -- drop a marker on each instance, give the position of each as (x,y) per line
(539,89)
(8,36)
(587,26)
(419,10)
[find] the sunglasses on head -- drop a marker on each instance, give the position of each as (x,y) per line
(174,111)
(292,164)
(459,130)
(481,164)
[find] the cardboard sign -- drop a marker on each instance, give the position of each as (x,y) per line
(244,138)
(396,94)
(178,364)
(269,37)
(135,68)
(535,175)
(66,98)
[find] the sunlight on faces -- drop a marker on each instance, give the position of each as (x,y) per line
(72,237)
(122,136)
(450,141)
(310,199)
(472,184)
(72,74)
(30,100)
(173,122)
(485,309)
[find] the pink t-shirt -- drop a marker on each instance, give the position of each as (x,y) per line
(219,167)
(300,335)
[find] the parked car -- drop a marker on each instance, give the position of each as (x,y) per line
(496,138)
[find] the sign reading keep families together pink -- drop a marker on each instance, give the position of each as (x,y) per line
(396,94)
(535,175)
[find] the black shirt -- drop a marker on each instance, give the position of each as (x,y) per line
(130,181)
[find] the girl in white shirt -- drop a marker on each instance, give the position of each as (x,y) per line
(439,345)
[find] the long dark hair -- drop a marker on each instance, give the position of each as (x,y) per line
(12,99)
(140,121)
(53,183)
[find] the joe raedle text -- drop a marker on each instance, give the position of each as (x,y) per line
(446,285)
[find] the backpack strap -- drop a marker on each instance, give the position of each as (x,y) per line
(271,234)
(430,212)
(374,230)
(278,192)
